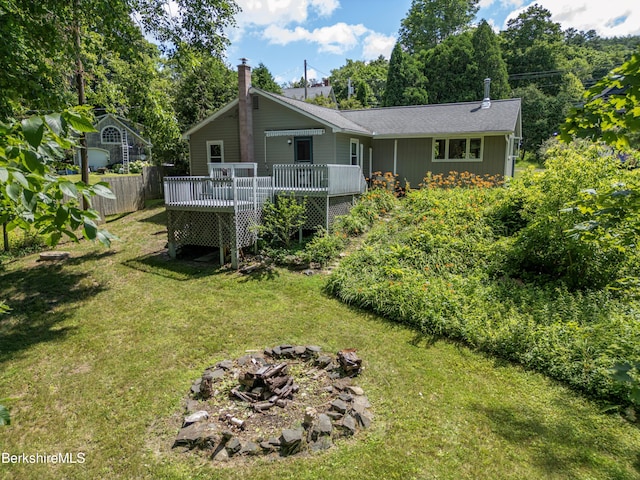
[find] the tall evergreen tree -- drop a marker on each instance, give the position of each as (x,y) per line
(489,62)
(430,22)
(405,80)
(451,71)
(261,77)
(395,81)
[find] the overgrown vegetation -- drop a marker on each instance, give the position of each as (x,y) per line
(99,361)
(497,269)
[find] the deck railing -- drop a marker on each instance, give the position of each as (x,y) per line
(230,170)
(240,193)
(332,179)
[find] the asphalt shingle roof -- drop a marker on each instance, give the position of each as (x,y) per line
(327,115)
(438,119)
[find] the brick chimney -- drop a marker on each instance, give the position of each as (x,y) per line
(245,115)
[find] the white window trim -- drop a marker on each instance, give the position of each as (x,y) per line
(215,142)
(102,135)
(453,160)
(355,141)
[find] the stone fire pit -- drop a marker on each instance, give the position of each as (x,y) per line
(281,401)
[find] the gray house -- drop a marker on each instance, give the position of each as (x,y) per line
(263,143)
(116,141)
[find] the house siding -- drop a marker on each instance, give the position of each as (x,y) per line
(224,128)
(492,160)
(276,150)
(136,147)
(414,159)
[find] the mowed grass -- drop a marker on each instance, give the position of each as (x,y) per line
(99,352)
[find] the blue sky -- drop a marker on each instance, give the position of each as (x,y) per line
(283,33)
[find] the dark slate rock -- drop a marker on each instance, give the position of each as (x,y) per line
(360,404)
(354,390)
(268,351)
(300,350)
(287,352)
(323,360)
(291,441)
(324,425)
(277,351)
(349,424)
(195,388)
(323,443)
(274,441)
(233,446)
(364,419)
(334,415)
(314,349)
(250,448)
(225,364)
(213,374)
(345,397)
(197,434)
(221,455)
(339,405)
(242,361)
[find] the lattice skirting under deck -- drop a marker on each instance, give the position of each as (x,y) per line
(212,229)
(322,211)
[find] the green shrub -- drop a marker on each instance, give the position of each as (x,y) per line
(324,246)
(282,219)
(367,210)
(467,264)
(533,211)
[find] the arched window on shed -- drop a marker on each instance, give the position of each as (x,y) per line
(111,135)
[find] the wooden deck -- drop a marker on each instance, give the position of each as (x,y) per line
(222,191)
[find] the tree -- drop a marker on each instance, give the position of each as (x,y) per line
(611,111)
(429,22)
(533,48)
(373,73)
(363,93)
(489,62)
(452,71)
(261,78)
(63,28)
(203,90)
(34,198)
(405,80)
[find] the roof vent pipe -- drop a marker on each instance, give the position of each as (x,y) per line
(486,101)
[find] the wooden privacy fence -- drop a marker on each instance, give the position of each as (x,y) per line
(130,191)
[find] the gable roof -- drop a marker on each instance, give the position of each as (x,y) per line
(392,122)
(329,116)
(439,119)
(131,127)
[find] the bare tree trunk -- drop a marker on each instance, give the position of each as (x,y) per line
(84,156)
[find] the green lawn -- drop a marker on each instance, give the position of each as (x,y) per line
(100,351)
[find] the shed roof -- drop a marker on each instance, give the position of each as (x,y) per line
(439,119)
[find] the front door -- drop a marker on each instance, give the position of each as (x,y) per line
(303,149)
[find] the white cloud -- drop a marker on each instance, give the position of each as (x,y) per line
(376,44)
(281,12)
(608,18)
(338,38)
(325,7)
